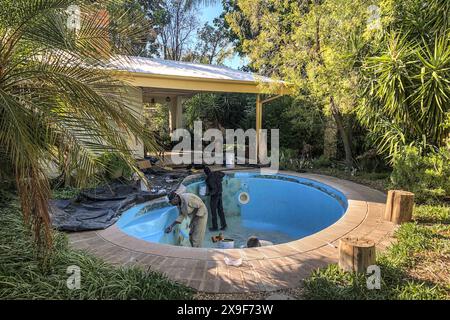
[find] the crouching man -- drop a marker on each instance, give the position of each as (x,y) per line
(193,207)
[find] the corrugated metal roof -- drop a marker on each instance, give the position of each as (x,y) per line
(153,66)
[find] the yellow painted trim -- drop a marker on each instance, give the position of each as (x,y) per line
(259,117)
(194,83)
(258,122)
(270,99)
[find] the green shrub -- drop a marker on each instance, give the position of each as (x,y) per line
(290,160)
(115,166)
(65,193)
(322,162)
(370,162)
(428,176)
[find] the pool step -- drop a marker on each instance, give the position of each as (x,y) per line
(151,224)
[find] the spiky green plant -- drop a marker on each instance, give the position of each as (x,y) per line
(407,87)
(59,102)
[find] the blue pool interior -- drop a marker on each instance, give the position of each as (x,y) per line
(280,208)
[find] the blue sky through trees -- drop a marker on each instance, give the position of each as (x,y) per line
(208,14)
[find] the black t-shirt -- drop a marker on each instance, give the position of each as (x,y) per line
(214,182)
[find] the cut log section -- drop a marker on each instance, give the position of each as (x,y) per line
(399,206)
(356,254)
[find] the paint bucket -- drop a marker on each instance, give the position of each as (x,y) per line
(229,160)
(226,244)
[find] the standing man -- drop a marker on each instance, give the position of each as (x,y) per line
(193,207)
(214,184)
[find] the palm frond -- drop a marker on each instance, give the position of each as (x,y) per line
(59,101)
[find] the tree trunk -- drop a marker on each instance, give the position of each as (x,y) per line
(330,138)
(343,133)
(334,109)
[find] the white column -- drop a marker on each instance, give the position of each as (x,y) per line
(172,115)
(179,112)
(176,113)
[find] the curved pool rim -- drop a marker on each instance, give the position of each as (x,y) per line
(263,269)
(354,215)
(300,207)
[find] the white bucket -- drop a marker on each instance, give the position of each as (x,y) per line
(226,244)
(229,160)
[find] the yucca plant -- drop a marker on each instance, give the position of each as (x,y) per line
(407,84)
(60,104)
(433,90)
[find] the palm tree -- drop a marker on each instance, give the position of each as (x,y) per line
(59,103)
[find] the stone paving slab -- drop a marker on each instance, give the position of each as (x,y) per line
(262,269)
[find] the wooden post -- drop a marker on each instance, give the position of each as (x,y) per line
(356,254)
(399,206)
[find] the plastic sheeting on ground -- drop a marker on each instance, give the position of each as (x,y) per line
(101,207)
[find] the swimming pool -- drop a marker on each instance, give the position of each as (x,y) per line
(278,208)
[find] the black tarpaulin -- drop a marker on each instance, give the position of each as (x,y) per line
(101,207)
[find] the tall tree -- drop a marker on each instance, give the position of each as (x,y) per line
(58,102)
(312,44)
(212,45)
(144,15)
(180,24)
(236,35)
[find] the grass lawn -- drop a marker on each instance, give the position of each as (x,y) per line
(416,266)
(23,276)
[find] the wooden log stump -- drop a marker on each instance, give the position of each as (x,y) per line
(399,206)
(356,254)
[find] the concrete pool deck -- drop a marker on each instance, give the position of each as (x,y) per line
(263,269)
